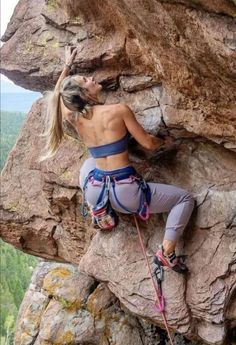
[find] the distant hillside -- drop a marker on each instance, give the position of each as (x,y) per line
(11,124)
(16,267)
(18,101)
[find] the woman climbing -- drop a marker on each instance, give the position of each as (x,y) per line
(109,175)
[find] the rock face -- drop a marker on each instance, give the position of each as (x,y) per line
(191,52)
(174,63)
(64,306)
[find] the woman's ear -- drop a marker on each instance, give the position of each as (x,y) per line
(91,99)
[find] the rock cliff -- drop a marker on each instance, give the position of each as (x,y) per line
(84,312)
(174,63)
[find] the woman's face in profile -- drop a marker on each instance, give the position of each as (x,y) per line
(89,84)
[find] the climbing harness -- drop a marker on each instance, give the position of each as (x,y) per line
(103,215)
(160,302)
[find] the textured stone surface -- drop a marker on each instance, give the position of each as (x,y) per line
(63,306)
(36,198)
(173,63)
(191,52)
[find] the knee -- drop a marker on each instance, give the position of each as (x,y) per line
(188,198)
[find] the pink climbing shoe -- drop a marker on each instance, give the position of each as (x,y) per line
(176,263)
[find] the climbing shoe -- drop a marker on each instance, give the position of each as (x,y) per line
(176,263)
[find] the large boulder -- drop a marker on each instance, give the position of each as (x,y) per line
(174,63)
(64,306)
(187,46)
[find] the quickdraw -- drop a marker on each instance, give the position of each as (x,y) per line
(158,273)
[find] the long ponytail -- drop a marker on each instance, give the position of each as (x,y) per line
(75,98)
(53,125)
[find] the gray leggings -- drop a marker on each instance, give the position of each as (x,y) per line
(165,198)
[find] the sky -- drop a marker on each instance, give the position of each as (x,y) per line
(7,8)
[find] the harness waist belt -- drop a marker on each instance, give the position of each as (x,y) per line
(119,174)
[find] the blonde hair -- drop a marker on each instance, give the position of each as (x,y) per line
(74,98)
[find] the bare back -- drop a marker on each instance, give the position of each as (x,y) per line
(107,124)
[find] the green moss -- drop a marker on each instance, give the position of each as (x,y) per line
(55,44)
(70,306)
(66,174)
(52,4)
(99,37)
(45,39)
(66,304)
(78,20)
(29,46)
(12,206)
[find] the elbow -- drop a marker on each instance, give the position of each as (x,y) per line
(149,145)
(152,143)
(152,148)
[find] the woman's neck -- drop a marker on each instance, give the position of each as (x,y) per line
(88,113)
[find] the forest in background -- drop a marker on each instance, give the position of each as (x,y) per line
(11,124)
(16,266)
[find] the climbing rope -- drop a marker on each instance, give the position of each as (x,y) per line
(160,298)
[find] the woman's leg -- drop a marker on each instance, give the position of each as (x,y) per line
(179,204)
(165,198)
(128,194)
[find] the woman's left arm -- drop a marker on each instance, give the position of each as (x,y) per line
(69,59)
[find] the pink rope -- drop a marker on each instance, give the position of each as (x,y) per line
(160,302)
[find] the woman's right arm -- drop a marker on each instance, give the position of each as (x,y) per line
(145,139)
(69,59)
